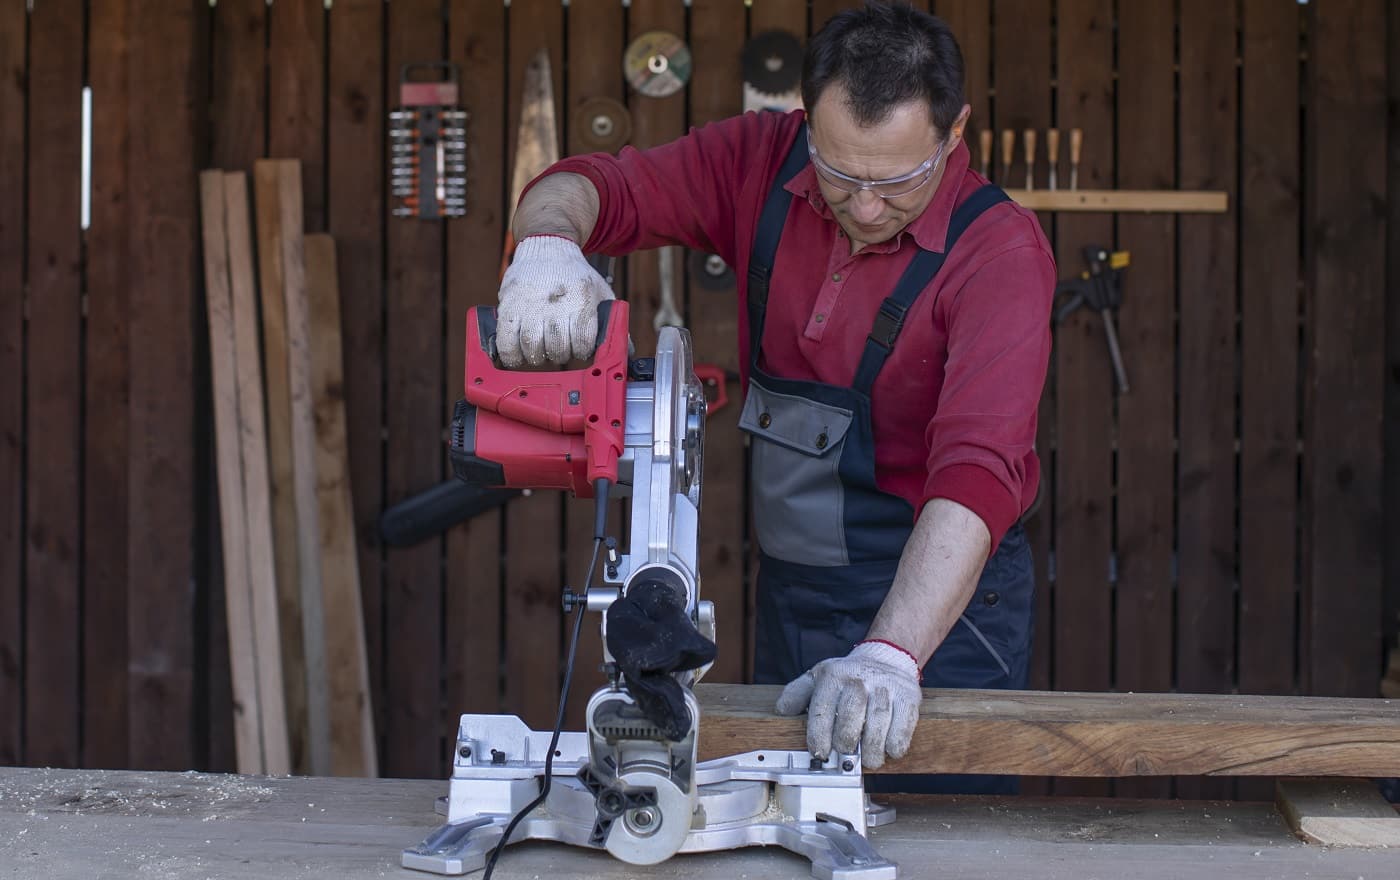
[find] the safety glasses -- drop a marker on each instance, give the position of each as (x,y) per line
(889,188)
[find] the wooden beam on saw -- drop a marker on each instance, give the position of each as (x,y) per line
(1091,734)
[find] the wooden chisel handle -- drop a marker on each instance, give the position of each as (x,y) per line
(1028,137)
(1008,150)
(1052,152)
(984,140)
(1076,141)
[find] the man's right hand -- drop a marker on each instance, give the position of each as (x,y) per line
(548,304)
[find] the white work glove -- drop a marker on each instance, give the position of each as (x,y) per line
(871,696)
(548,304)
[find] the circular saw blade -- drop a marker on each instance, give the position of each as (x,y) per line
(657,64)
(772,62)
(710,272)
(601,125)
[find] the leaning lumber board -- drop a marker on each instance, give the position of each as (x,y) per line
(352,744)
(257,491)
(1338,812)
(1085,734)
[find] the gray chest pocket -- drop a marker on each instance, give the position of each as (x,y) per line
(799,504)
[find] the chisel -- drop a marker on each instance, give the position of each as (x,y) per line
(1029,138)
(1076,140)
(984,139)
(1008,149)
(1052,149)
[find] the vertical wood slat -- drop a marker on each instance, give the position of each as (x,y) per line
(716,91)
(533,622)
(1391,455)
(413,453)
(1146,95)
(105,571)
(595,45)
(296,129)
(238,134)
(473,595)
(1207,351)
(355,216)
(971,23)
(281,472)
(53,376)
(164,147)
(1085,384)
(1269,262)
(1345,217)
(13,87)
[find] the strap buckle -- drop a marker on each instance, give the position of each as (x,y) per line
(888,322)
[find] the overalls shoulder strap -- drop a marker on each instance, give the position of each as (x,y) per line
(889,320)
(770,231)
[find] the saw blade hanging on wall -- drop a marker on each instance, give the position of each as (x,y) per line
(771,64)
(601,125)
(657,64)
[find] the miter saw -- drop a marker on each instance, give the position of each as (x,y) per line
(629,783)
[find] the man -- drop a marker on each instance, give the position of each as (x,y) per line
(894,327)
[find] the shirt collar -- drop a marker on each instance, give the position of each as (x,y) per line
(929,229)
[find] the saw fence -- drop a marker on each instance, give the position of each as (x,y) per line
(1220,528)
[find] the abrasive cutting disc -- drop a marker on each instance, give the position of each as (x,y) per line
(772,62)
(709,272)
(657,64)
(601,125)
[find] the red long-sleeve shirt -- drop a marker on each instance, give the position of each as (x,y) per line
(954,408)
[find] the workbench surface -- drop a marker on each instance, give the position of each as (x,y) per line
(109,824)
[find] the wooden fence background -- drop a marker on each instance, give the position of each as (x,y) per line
(1223,527)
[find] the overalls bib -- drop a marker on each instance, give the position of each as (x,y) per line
(829,538)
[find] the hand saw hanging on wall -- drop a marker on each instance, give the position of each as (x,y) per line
(536,138)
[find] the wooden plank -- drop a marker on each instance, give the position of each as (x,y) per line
(413,455)
(823,10)
(1343,405)
(1085,383)
(276,379)
(716,91)
(296,63)
(1335,812)
(1205,633)
(1146,427)
(1116,200)
(106,358)
(971,23)
(164,114)
(1096,735)
(473,596)
(533,533)
(52,374)
(238,84)
(257,490)
(596,29)
(1391,503)
(355,216)
(243,643)
(1269,300)
(350,715)
(13,89)
(76,824)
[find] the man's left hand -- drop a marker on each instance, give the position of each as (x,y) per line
(871,697)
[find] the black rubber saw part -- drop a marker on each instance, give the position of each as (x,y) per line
(772,62)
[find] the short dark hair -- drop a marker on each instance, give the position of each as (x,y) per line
(886,54)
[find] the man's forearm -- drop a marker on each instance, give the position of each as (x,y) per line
(561,204)
(937,576)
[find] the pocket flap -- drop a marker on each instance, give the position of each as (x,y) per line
(797,423)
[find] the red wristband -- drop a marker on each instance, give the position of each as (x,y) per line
(901,649)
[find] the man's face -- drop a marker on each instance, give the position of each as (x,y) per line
(893,148)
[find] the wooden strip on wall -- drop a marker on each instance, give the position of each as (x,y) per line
(1343,408)
(716,92)
(1095,735)
(1269,263)
(1146,481)
(533,524)
(971,23)
(1085,383)
(105,572)
(595,46)
(53,377)
(415,417)
(13,80)
(349,713)
(355,216)
(166,50)
(474,550)
(281,474)
(296,58)
(1391,455)
(1205,654)
(238,84)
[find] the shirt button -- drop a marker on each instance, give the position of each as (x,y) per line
(819,318)
(991,599)
(836,277)
(765,420)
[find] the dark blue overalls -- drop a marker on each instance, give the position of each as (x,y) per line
(830,539)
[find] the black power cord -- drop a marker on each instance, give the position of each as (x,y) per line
(600,518)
